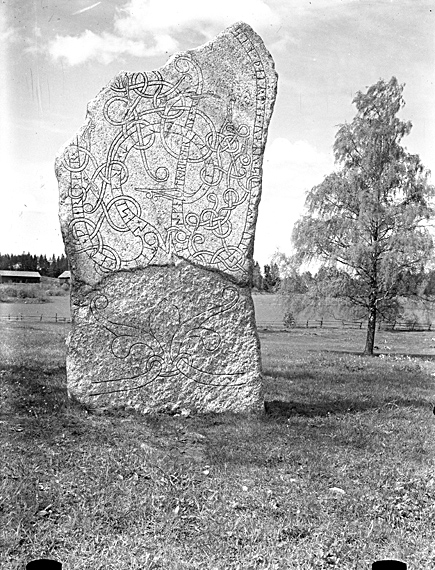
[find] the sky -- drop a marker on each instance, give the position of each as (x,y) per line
(56,55)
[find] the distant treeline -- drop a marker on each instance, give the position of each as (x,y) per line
(48,267)
(289,280)
(268,280)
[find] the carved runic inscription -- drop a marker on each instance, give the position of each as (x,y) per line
(170,164)
(159,193)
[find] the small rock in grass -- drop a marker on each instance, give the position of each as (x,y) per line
(337,490)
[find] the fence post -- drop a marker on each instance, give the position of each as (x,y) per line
(55,318)
(321,323)
(307,324)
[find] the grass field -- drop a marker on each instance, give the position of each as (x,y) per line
(36,293)
(52,305)
(337,473)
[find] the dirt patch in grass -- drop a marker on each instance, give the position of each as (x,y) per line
(337,473)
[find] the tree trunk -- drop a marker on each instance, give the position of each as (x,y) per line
(371,328)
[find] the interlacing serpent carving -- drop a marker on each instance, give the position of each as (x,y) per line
(163,147)
(165,345)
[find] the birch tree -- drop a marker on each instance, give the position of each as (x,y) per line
(369,219)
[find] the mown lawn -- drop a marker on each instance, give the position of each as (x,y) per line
(338,472)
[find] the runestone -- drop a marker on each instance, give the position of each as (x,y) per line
(159,193)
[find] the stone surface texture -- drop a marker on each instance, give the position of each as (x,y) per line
(159,193)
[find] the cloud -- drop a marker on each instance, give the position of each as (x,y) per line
(289,170)
(106,47)
(162,16)
(145,28)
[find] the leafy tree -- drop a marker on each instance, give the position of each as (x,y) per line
(428,284)
(257,278)
(5,261)
(43,265)
(27,262)
(295,282)
(53,270)
(272,278)
(62,263)
(367,219)
(318,297)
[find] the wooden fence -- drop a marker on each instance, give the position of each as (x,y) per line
(337,324)
(268,325)
(36,318)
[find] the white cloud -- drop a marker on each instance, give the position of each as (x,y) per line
(289,170)
(151,27)
(139,17)
(106,47)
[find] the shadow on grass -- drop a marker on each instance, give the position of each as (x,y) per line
(283,410)
(36,406)
(379,352)
(38,393)
(35,391)
(36,402)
